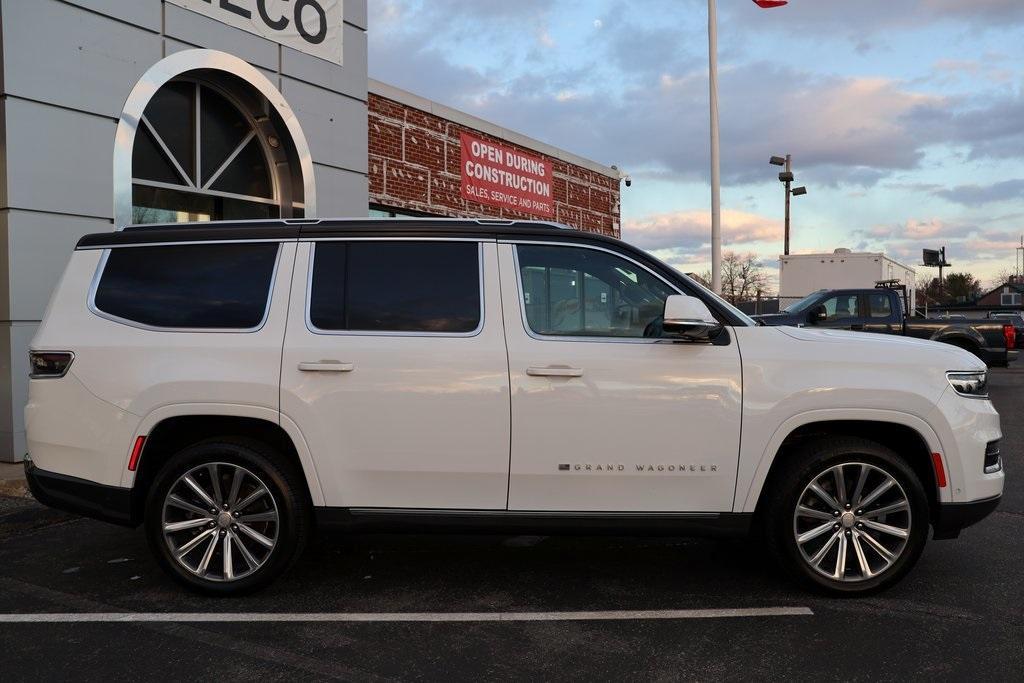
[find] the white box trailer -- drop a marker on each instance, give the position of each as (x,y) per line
(802,274)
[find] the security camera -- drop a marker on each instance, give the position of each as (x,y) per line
(623,176)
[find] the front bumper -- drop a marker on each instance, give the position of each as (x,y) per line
(80,496)
(954,517)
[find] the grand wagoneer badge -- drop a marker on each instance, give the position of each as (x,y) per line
(653,468)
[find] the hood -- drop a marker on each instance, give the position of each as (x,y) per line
(908,349)
(774,319)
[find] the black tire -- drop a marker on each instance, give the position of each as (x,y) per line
(288,499)
(788,488)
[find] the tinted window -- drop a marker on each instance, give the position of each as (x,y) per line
(396,286)
(204,286)
(571,291)
(879,306)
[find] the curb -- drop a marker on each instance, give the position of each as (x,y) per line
(14,488)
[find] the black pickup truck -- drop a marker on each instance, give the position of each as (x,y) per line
(881,310)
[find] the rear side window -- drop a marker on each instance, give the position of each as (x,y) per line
(429,287)
(195,286)
(879,306)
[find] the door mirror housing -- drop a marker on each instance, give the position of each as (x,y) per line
(689,318)
(818,314)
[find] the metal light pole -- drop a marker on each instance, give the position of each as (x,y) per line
(716,165)
(716,172)
(786,177)
(788,183)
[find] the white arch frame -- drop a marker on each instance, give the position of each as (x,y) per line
(171,67)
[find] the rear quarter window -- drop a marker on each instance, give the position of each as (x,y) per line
(195,286)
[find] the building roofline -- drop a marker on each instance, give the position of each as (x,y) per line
(409,99)
(831,254)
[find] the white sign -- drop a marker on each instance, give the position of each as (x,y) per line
(310,26)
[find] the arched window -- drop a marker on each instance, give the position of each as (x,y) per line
(201,154)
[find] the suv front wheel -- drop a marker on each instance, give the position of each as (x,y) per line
(847,515)
(226,516)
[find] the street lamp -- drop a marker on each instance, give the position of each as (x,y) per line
(786,177)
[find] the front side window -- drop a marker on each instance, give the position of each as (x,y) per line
(579,292)
(195,286)
(840,307)
(424,287)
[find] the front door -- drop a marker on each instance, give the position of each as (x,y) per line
(607,415)
(395,370)
(842,312)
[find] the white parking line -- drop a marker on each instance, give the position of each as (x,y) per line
(232,617)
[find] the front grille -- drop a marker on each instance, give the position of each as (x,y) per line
(993,461)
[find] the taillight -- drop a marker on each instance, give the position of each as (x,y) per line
(49,364)
(1010,334)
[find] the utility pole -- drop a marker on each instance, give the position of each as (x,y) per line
(716,170)
(1019,258)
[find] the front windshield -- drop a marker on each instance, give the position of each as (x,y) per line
(747,320)
(803,304)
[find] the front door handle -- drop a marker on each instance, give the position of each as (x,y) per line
(554,371)
(326,366)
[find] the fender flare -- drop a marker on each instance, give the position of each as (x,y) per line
(771,450)
(158,415)
(948,336)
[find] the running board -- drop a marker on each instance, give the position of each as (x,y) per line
(708,524)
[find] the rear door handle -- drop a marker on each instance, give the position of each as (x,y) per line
(554,371)
(326,366)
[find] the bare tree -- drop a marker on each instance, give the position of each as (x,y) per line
(1002,277)
(743,278)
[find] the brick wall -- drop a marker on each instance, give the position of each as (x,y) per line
(414,165)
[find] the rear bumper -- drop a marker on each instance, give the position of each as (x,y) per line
(82,497)
(954,517)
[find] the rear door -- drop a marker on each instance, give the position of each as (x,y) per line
(394,367)
(879,314)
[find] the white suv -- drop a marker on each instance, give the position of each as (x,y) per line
(231,385)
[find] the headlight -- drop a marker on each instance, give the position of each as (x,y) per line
(973,384)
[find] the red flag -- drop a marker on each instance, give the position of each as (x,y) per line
(768,4)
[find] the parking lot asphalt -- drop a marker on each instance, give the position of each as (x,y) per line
(958,615)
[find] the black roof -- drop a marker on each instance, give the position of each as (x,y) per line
(293,229)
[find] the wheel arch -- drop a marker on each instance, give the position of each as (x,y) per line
(171,428)
(908,435)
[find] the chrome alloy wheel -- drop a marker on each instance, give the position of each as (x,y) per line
(220,521)
(852,522)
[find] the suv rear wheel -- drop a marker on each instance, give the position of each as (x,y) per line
(848,516)
(226,516)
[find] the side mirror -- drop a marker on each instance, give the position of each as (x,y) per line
(690,318)
(818,314)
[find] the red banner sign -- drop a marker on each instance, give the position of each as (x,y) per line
(502,176)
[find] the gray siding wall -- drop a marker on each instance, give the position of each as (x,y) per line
(66,68)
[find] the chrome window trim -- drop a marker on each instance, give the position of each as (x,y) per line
(97,276)
(384,333)
(179,243)
(570,338)
(480,240)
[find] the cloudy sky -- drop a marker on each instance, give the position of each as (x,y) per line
(905,117)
